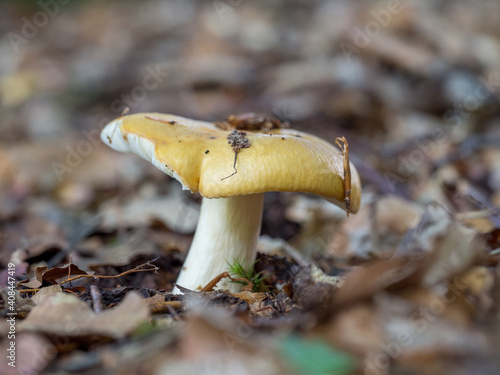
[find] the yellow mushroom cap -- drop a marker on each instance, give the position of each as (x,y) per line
(198,155)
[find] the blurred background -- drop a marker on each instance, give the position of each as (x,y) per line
(413,86)
(393,77)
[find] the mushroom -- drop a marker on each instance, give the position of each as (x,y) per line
(231,170)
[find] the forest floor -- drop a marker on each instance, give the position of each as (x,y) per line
(92,240)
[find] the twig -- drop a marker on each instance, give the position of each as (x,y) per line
(70,291)
(139,268)
(125,112)
(211,285)
(234,166)
(224,275)
(96,298)
(477,202)
(29,290)
(136,269)
(471,215)
(69,265)
(347,173)
(173,312)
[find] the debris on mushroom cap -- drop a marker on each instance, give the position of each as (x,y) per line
(301,162)
(347,172)
(251,121)
(237,140)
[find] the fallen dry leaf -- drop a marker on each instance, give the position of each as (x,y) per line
(158,305)
(376,229)
(63,314)
(364,281)
(413,86)
(53,274)
(44,292)
(250,297)
(312,289)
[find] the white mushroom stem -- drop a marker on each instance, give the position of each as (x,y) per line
(228,229)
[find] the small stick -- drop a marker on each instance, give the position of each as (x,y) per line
(211,285)
(173,312)
(139,268)
(347,173)
(470,215)
(234,166)
(477,202)
(69,266)
(124,113)
(136,269)
(96,298)
(70,291)
(34,290)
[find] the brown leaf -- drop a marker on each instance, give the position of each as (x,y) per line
(363,282)
(63,314)
(44,292)
(32,283)
(52,275)
(158,305)
(39,272)
(312,288)
(453,253)
(376,229)
(250,297)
